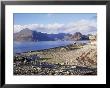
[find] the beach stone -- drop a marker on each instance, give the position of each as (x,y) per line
(38,68)
(73,66)
(62,63)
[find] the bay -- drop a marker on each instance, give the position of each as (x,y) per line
(20,47)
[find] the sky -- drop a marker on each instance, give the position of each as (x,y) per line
(85,23)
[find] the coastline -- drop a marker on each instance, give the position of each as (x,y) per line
(73,59)
(54,48)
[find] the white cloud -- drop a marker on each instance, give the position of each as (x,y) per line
(49,14)
(54,26)
(83,26)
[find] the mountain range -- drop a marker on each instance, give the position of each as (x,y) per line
(32,35)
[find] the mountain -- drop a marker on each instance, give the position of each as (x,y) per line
(79,36)
(76,36)
(30,35)
(59,36)
(23,35)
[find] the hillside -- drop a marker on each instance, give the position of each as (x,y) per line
(30,35)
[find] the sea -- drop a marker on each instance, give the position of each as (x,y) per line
(19,47)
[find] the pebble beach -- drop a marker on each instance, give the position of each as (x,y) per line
(73,59)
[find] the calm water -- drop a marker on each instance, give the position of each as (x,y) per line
(31,46)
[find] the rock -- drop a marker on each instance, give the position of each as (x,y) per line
(73,66)
(62,63)
(38,68)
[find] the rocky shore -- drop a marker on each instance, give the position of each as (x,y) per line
(73,59)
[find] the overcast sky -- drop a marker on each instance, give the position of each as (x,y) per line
(85,23)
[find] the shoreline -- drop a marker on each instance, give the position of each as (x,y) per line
(52,48)
(63,60)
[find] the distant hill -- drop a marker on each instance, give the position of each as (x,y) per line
(76,36)
(30,35)
(23,35)
(59,36)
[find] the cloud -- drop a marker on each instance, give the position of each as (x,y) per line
(83,26)
(49,14)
